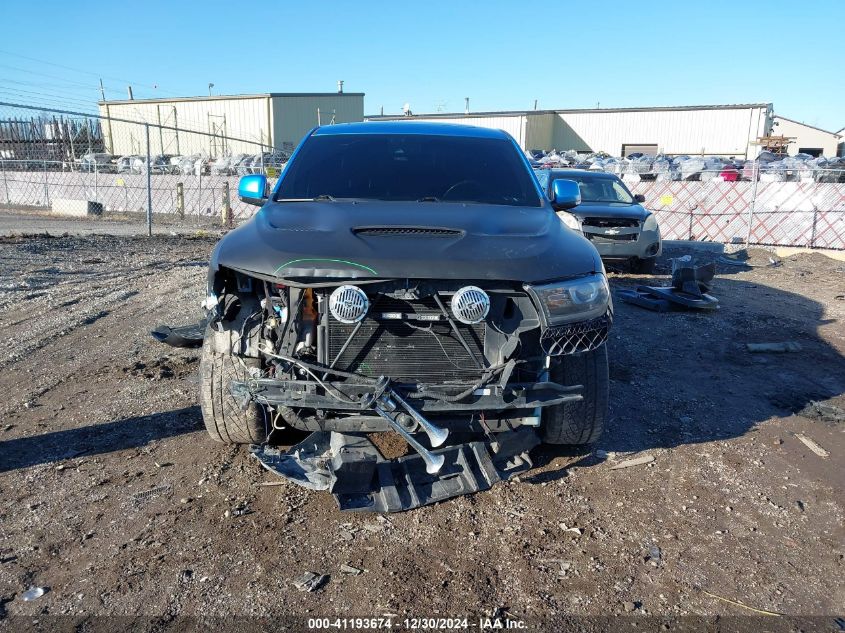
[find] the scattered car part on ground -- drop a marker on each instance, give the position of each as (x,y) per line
(689,290)
(185,336)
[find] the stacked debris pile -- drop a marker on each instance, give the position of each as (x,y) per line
(767,167)
(239,164)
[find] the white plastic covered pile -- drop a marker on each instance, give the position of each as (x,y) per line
(769,167)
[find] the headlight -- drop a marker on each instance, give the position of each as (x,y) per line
(570,220)
(650,223)
(575,300)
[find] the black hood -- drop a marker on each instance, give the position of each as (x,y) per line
(609,210)
(366,239)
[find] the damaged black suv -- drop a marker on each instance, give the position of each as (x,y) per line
(406,277)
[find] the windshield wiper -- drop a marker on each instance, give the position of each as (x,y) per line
(324,196)
(429,199)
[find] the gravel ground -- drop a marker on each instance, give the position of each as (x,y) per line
(117,500)
(32,222)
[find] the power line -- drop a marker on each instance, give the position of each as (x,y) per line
(95,86)
(86,72)
(51,84)
(46,103)
(36,72)
(76,98)
(29,94)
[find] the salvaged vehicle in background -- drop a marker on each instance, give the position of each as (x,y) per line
(610,216)
(410,278)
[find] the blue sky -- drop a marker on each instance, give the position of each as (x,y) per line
(432,54)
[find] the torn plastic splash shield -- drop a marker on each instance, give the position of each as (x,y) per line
(361,480)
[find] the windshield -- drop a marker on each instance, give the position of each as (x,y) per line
(593,188)
(408,168)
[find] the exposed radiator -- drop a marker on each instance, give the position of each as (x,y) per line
(407,349)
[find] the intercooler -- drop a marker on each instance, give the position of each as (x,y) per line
(408,341)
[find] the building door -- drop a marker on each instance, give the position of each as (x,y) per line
(638,148)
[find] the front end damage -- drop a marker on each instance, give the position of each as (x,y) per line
(458,368)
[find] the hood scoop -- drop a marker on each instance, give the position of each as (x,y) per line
(406,231)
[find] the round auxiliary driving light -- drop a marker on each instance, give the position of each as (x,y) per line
(349,304)
(470,305)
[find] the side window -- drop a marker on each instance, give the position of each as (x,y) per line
(621,193)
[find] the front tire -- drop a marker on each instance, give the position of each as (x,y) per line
(582,422)
(225,420)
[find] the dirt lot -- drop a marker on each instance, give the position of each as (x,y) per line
(19,221)
(116,499)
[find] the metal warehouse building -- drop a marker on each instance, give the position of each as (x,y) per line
(723,130)
(808,138)
(229,124)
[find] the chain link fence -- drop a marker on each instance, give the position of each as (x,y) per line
(787,210)
(70,162)
(62,161)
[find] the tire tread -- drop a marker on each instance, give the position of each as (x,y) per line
(224,420)
(582,422)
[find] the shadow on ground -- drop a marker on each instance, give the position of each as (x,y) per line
(97,438)
(686,377)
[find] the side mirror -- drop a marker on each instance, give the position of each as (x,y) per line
(252,189)
(639,198)
(566,194)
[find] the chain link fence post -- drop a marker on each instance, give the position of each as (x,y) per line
(180,200)
(815,223)
(689,235)
(227,206)
(5,182)
(149,183)
(755,176)
(46,187)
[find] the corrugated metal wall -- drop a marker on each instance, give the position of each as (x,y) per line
(226,118)
(238,124)
(514,124)
(295,115)
(807,137)
(539,131)
(726,132)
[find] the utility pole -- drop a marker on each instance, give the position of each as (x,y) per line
(160,132)
(108,119)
